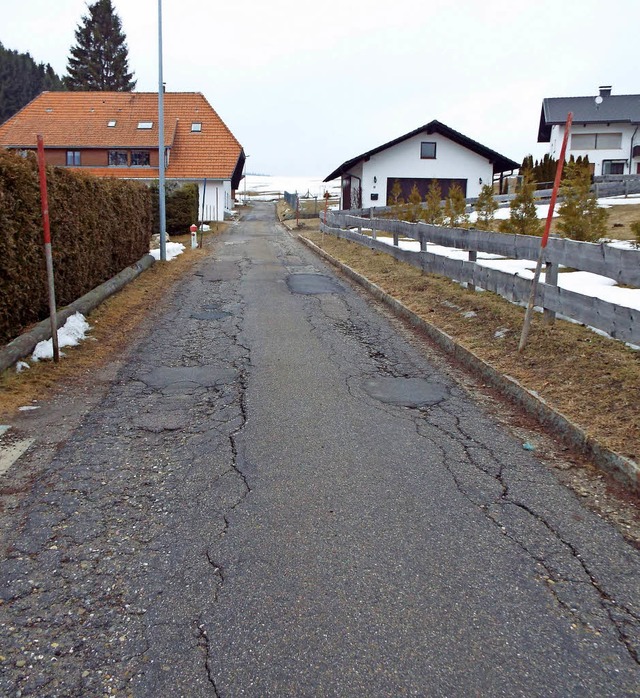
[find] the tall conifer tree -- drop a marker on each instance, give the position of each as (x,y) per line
(99,60)
(22,79)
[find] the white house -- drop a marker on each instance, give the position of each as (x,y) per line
(432,151)
(605,127)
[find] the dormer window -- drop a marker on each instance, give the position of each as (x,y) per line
(111,123)
(145,124)
(196,126)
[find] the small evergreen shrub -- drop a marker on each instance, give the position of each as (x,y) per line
(414,209)
(523,219)
(455,207)
(580,216)
(432,212)
(486,206)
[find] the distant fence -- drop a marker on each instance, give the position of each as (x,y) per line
(609,185)
(621,265)
(304,206)
(291,199)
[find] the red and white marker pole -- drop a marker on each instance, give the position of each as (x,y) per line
(545,237)
(42,172)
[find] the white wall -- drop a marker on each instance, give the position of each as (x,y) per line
(403,160)
(597,156)
(217,198)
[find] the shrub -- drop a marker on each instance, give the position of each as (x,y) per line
(635,229)
(98,227)
(432,212)
(181,207)
(455,207)
(414,209)
(486,207)
(523,219)
(580,216)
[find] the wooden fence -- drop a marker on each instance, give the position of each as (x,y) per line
(621,265)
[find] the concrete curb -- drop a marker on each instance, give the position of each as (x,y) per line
(622,468)
(24,344)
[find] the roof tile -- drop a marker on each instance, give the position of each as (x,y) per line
(76,120)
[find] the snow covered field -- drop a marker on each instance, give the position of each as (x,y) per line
(268,188)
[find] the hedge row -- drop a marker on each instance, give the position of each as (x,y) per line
(181,207)
(98,227)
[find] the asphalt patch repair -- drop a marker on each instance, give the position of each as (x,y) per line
(405,392)
(312,284)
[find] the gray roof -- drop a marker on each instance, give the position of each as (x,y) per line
(614,109)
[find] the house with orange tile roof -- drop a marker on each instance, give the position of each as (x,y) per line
(115,134)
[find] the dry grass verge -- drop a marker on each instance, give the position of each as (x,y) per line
(114,324)
(592,380)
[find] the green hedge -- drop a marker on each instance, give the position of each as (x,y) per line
(181,207)
(98,227)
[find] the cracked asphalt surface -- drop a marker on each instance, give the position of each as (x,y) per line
(280,495)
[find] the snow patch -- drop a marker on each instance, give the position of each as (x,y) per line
(173,250)
(70,335)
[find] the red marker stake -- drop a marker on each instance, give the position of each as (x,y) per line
(545,237)
(42,171)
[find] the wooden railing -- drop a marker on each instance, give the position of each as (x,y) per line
(622,265)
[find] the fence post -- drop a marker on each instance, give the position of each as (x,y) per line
(550,279)
(473,257)
(423,241)
(374,233)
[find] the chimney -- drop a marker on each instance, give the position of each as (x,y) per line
(605,90)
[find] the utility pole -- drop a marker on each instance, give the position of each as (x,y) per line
(161,183)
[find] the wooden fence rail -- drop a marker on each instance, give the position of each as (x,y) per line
(622,265)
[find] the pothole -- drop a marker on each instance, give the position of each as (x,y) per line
(405,392)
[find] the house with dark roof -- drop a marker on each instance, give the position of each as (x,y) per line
(606,127)
(431,152)
(115,134)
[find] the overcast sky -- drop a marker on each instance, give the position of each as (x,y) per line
(305,86)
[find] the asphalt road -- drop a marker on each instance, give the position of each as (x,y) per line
(280,495)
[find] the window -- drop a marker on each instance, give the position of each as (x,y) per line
(145,124)
(596,141)
(140,158)
(613,167)
(111,123)
(73,157)
(609,141)
(118,158)
(196,126)
(428,150)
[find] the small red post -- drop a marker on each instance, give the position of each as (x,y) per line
(193,229)
(556,184)
(545,237)
(42,172)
